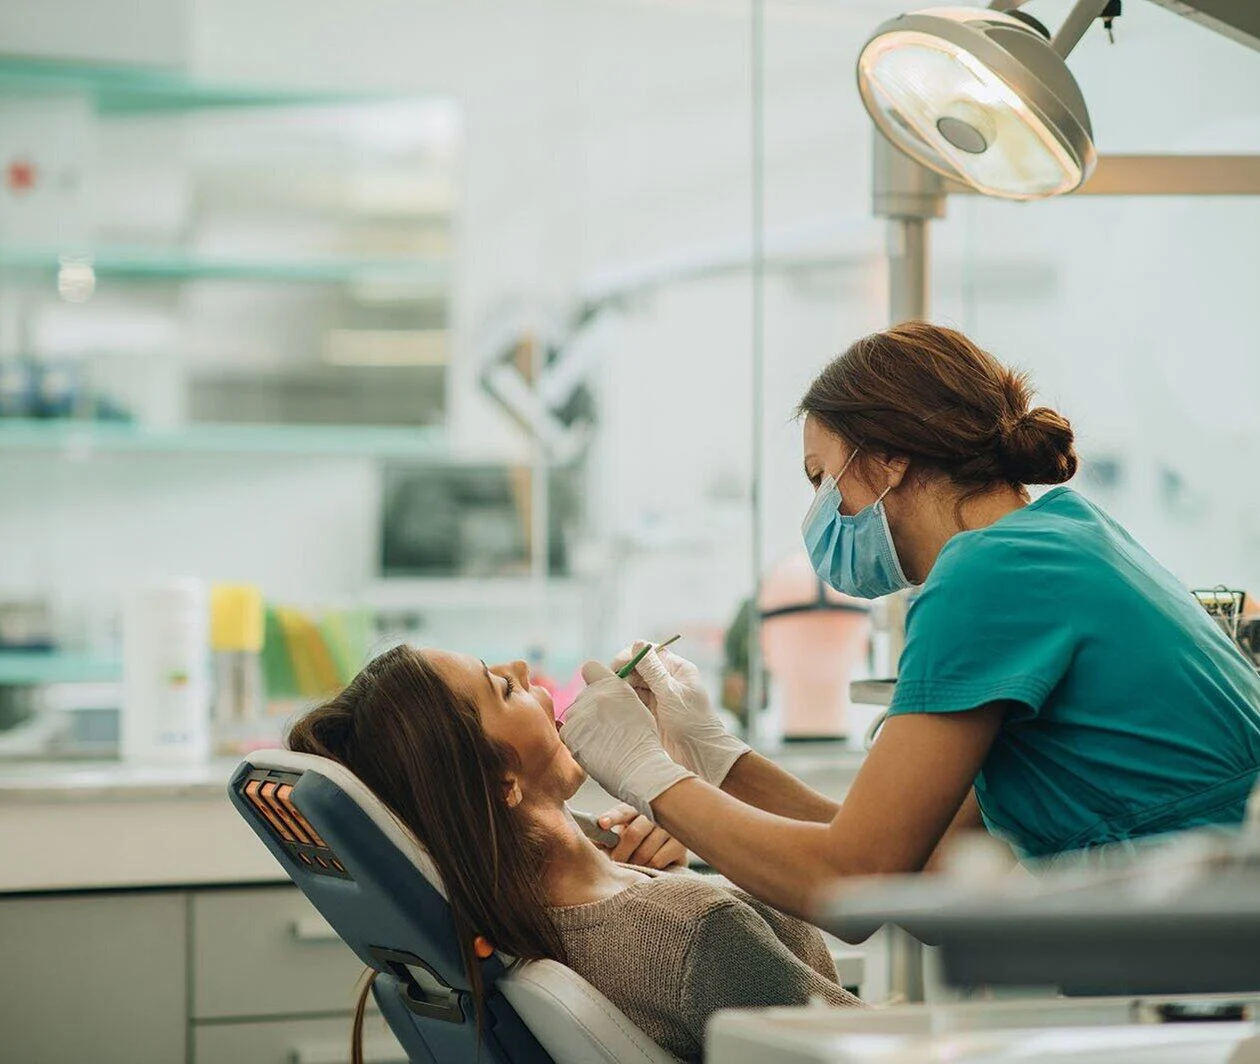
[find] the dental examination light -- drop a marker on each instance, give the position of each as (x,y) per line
(983,97)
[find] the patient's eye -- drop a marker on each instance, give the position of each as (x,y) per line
(508,687)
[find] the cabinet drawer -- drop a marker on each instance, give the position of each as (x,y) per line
(325,1041)
(92,978)
(267,952)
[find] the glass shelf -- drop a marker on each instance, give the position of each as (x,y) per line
(502,593)
(85,437)
(132,90)
(156,264)
(44,667)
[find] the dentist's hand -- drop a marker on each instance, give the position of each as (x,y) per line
(691,731)
(613,736)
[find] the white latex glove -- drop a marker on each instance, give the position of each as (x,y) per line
(613,736)
(690,729)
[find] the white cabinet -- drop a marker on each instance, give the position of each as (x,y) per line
(266,952)
(293,1042)
(161,977)
(99,978)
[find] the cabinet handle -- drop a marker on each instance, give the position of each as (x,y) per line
(313,928)
(375,1051)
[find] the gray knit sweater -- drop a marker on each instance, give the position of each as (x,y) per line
(672,950)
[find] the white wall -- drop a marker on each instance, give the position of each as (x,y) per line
(610,136)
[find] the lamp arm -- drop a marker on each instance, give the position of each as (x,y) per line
(1079,19)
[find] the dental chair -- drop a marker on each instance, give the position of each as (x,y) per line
(378,888)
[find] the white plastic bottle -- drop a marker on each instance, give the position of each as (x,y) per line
(166,673)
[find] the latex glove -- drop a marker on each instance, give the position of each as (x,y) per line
(613,736)
(691,731)
(642,842)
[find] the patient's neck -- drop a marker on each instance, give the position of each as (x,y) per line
(577,871)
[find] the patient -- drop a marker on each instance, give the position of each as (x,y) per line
(469,758)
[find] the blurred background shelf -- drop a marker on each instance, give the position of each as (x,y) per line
(135,90)
(44,667)
(84,437)
(493,593)
(415,274)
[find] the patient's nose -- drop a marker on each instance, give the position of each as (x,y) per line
(520,670)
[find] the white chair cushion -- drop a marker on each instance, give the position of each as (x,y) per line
(573,1021)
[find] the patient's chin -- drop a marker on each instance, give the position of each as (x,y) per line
(577,777)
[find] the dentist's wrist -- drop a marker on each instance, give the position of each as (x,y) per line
(711,755)
(648,778)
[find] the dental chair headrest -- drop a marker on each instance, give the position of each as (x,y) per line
(393,828)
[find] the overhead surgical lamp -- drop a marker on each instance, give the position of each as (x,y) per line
(983,97)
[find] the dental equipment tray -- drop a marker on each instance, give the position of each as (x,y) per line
(1158,927)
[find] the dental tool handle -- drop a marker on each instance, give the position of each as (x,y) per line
(590,828)
(625,670)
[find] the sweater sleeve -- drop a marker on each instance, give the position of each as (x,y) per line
(735,960)
(803,940)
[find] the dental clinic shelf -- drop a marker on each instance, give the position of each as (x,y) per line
(84,437)
(43,667)
(416,276)
(126,90)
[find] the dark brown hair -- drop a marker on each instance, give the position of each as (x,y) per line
(929,394)
(419,746)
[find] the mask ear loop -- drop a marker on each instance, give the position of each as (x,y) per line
(845,468)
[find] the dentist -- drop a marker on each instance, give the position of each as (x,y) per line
(1058,686)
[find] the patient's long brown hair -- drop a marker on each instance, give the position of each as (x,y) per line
(420,747)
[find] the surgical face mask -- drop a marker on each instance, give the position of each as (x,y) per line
(855,555)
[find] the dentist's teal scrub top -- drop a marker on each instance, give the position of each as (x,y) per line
(1132,714)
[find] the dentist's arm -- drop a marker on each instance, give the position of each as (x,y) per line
(759,782)
(899,807)
(903,800)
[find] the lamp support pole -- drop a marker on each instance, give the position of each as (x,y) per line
(1079,19)
(909,196)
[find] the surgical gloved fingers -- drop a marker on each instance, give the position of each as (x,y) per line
(594,671)
(624,657)
(654,674)
(632,837)
(683,670)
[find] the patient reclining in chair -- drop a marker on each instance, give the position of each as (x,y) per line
(468,757)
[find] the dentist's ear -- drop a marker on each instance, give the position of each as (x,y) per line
(512,792)
(896,468)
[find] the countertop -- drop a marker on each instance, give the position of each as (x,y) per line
(832,763)
(93,781)
(72,826)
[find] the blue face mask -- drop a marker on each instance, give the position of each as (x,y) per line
(855,555)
